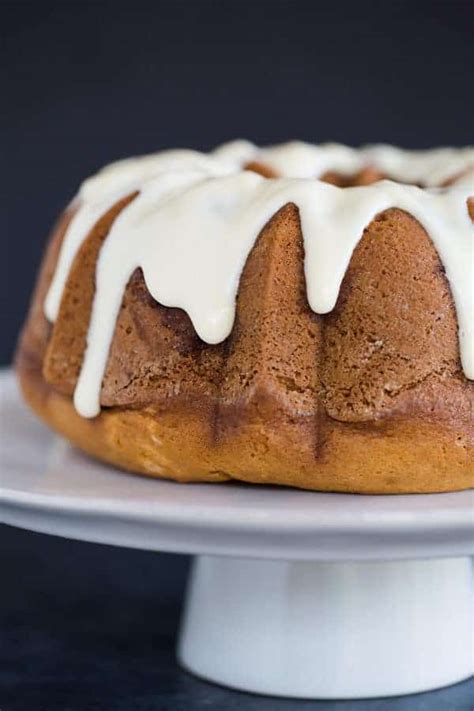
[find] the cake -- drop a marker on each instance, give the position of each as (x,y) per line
(298,315)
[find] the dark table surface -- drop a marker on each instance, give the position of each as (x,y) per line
(87,627)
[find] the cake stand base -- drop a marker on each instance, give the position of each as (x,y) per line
(273,605)
(329,630)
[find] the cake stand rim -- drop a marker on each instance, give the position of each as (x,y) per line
(252,532)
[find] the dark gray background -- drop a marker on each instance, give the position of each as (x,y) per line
(92,628)
(86,627)
(87,82)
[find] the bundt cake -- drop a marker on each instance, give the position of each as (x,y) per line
(299,315)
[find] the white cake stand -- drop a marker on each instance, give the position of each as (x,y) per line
(292,593)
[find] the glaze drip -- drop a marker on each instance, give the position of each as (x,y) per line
(196,218)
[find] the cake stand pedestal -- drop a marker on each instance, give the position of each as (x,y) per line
(329,630)
(291,593)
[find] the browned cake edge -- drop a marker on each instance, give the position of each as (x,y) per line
(402,456)
(407,452)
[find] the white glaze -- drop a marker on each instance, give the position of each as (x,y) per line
(100,192)
(428,168)
(297,159)
(196,218)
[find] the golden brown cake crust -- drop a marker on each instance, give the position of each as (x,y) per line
(400,457)
(370,398)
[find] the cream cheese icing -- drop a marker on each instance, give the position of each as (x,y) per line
(197,216)
(296,159)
